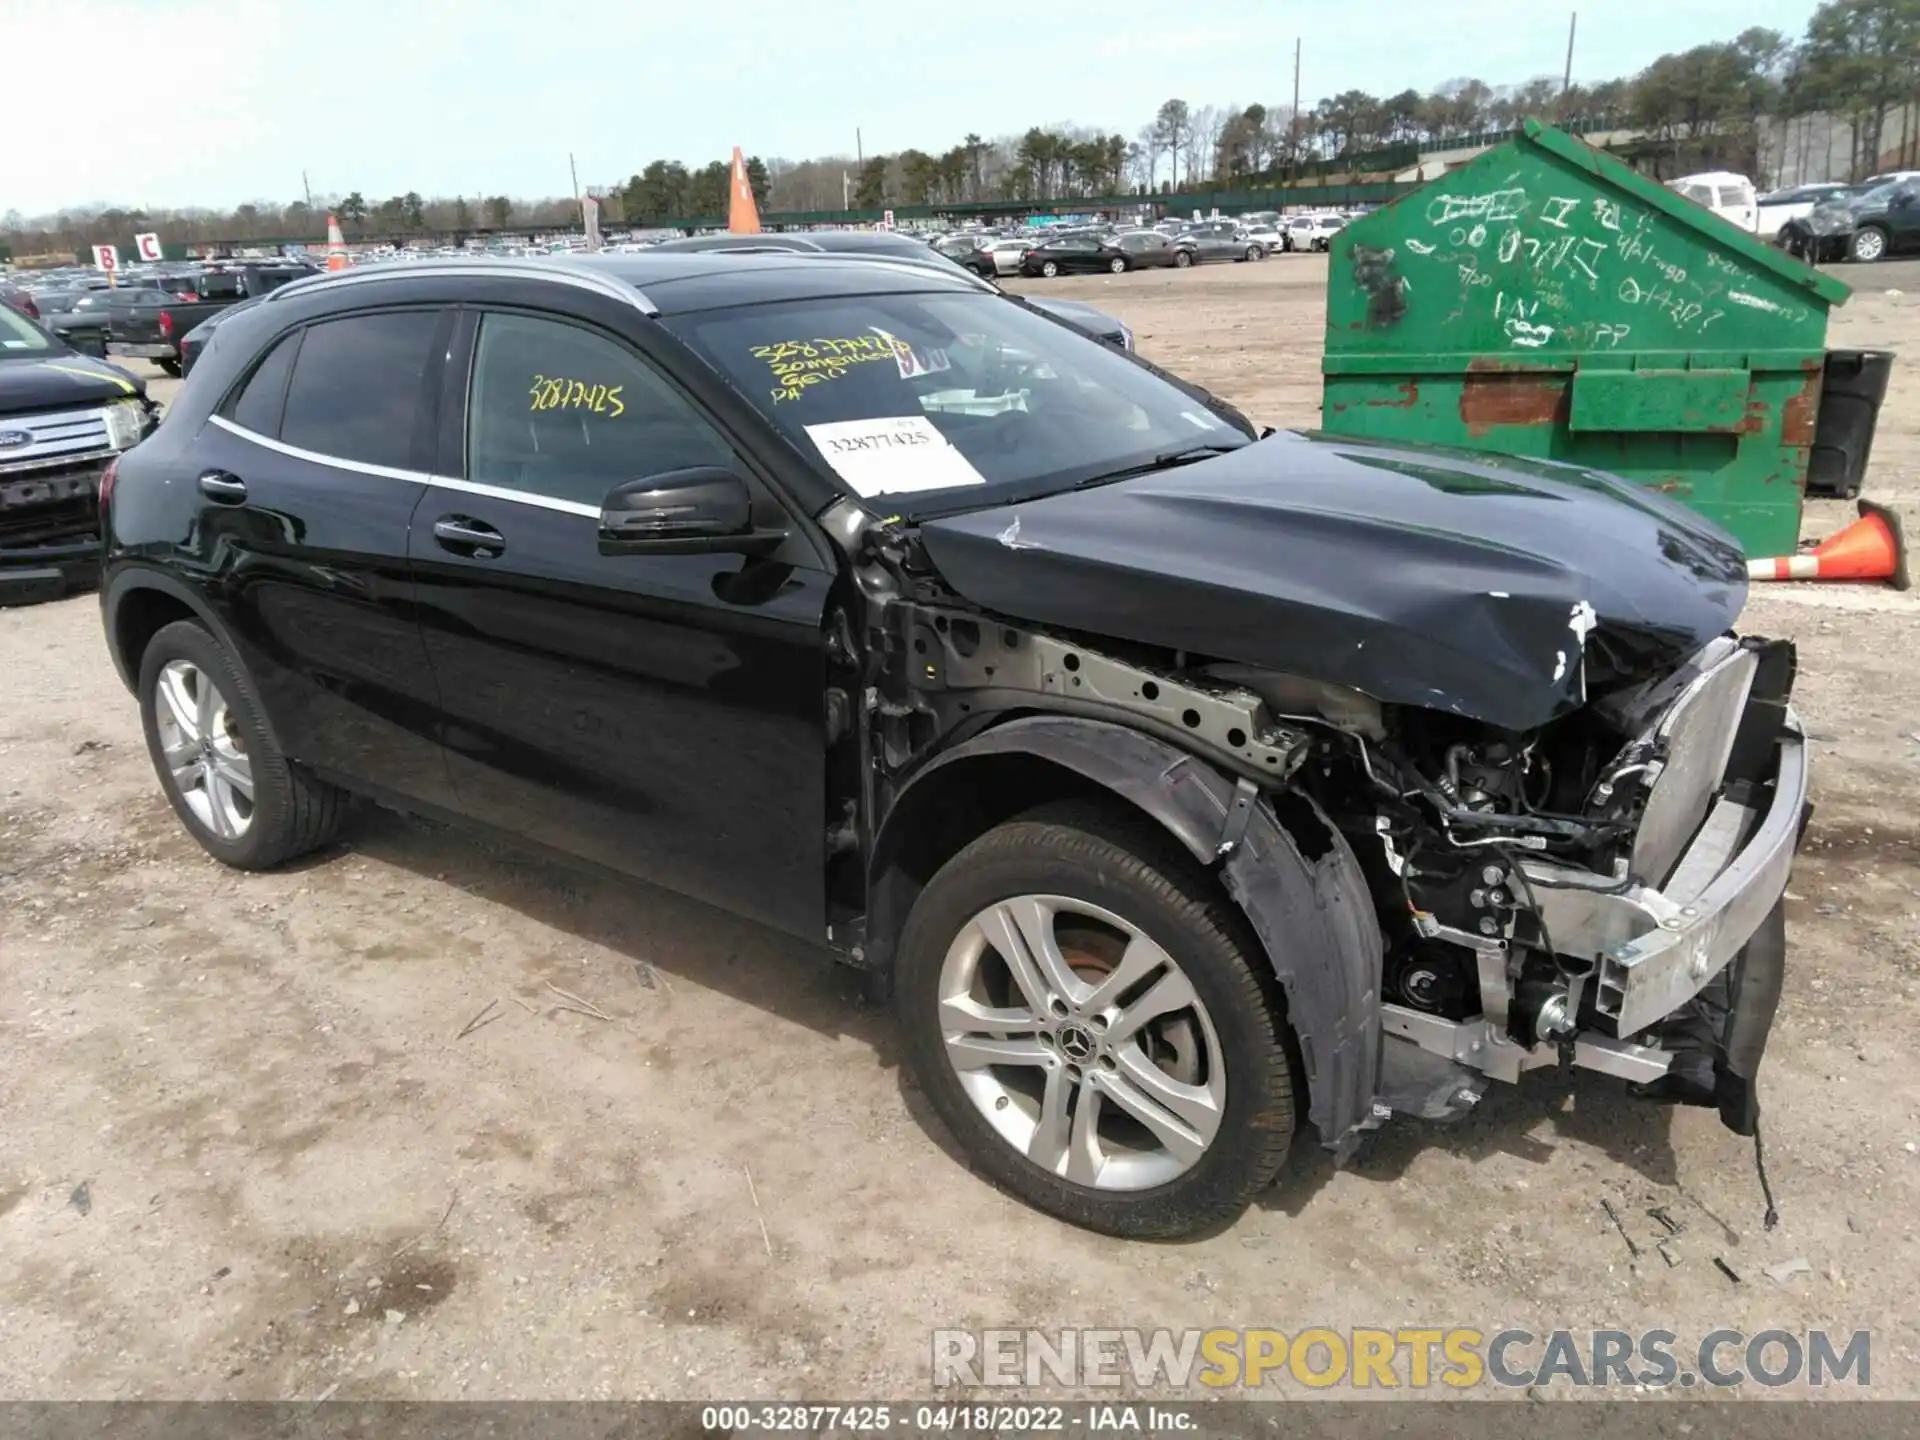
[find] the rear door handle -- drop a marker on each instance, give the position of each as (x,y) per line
(223,487)
(466,536)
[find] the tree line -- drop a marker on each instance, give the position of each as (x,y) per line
(1857,62)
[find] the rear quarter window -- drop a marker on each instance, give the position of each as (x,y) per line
(257,404)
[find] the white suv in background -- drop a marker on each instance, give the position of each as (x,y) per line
(1728,195)
(1313,232)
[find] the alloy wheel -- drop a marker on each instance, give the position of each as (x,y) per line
(1082,1042)
(205,750)
(1868,245)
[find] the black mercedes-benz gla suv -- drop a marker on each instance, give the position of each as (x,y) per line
(1185,783)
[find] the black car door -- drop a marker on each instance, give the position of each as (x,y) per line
(307,478)
(658,714)
(1082,256)
(1903,220)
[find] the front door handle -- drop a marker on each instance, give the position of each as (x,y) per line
(466,536)
(225,488)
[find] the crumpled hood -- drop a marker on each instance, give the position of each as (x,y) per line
(1421,576)
(57,381)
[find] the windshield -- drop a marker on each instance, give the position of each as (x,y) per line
(954,400)
(19,334)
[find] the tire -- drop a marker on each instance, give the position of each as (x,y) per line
(1183,258)
(1118,265)
(1869,243)
(1233,1045)
(1254,252)
(1049,269)
(170,368)
(289,814)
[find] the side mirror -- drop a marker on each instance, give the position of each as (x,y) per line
(702,510)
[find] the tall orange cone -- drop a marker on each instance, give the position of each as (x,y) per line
(336,245)
(743,216)
(1871,548)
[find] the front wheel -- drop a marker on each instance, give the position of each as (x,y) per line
(1117,265)
(1088,1014)
(1050,269)
(1183,258)
(1254,252)
(1869,244)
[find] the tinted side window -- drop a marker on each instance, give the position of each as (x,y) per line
(257,406)
(358,386)
(560,411)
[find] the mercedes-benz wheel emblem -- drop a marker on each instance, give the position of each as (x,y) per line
(1076,1044)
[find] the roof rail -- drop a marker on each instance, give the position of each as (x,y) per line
(929,266)
(554,270)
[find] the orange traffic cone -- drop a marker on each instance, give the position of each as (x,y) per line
(1871,548)
(336,245)
(743,216)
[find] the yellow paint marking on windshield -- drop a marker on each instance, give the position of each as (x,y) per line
(798,364)
(120,380)
(556,392)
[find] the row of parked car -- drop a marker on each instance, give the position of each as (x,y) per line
(143,313)
(1876,219)
(1171,244)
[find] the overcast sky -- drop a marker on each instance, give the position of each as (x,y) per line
(214,102)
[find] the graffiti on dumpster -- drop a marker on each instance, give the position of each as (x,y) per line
(1496,205)
(1374,272)
(1520,266)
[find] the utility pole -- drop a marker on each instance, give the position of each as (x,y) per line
(1566,80)
(575,192)
(859,150)
(1293,120)
(308,188)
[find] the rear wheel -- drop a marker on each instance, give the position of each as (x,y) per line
(1049,268)
(231,786)
(1869,244)
(170,367)
(1086,1012)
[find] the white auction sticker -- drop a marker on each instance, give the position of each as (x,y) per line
(893,455)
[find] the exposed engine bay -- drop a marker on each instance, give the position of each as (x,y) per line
(1593,891)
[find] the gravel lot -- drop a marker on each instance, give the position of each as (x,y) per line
(247,1154)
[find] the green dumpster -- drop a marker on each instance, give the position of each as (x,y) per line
(1545,300)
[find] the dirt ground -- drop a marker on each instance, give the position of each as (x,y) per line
(246,1153)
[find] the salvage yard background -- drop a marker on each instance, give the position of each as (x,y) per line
(246,1151)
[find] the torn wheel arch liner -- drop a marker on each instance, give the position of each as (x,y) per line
(1314,918)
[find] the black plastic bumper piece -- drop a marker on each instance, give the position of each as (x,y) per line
(33,575)
(1762,971)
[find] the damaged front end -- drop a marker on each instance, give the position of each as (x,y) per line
(1603,893)
(1445,899)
